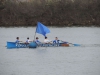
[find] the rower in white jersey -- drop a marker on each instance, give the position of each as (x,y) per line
(46,40)
(28,41)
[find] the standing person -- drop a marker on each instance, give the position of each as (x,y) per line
(37,40)
(17,40)
(46,40)
(28,41)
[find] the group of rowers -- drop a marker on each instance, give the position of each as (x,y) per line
(38,42)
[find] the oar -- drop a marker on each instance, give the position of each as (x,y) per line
(74,44)
(70,44)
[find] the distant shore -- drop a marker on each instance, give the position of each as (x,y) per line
(62,13)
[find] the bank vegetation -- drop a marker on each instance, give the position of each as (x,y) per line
(50,12)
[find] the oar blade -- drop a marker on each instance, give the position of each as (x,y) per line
(76,44)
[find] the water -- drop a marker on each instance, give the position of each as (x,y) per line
(83,60)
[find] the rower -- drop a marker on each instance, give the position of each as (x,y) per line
(56,40)
(46,40)
(17,40)
(37,41)
(28,41)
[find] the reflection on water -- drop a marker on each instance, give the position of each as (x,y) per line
(83,60)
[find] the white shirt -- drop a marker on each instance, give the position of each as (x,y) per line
(46,41)
(28,41)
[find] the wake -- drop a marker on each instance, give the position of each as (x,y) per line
(89,45)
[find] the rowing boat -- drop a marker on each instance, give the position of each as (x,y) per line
(41,29)
(34,45)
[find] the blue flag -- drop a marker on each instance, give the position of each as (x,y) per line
(42,29)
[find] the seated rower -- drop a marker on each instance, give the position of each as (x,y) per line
(28,41)
(17,40)
(37,41)
(47,41)
(56,40)
(59,41)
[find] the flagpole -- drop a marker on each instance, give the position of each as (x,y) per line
(35,34)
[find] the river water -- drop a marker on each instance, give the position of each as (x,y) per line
(82,60)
